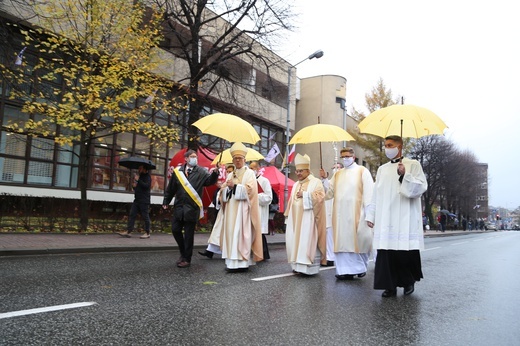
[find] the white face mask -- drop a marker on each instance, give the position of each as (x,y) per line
(192,161)
(347,161)
(391,152)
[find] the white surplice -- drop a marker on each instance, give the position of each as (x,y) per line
(351,188)
(264,200)
(395,209)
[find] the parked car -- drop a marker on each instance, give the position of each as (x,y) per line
(490,226)
(515,228)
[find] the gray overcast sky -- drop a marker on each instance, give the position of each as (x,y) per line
(459,59)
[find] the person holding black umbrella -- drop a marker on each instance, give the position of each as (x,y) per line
(142,184)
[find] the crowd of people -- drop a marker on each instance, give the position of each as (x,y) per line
(340,220)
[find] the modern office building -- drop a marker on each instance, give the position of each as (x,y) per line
(37,167)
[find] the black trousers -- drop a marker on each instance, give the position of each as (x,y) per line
(397,268)
(264,245)
(144,210)
(185,242)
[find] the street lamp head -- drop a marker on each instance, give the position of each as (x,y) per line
(317,54)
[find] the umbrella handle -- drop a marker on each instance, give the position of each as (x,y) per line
(401,159)
(321,160)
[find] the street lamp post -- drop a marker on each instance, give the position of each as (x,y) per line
(317,54)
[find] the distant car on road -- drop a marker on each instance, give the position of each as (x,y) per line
(490,226)
(515,228)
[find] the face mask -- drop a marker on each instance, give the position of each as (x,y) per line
(192,161)
(391,152)
(347,161)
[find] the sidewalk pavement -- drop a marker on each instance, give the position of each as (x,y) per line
(12,244)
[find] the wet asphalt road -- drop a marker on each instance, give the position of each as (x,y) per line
(469,296)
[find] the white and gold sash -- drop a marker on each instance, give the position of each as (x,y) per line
(189,190)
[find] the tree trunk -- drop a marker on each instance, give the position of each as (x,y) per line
(83,176)
(193,116)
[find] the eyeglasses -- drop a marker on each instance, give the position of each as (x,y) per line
(298,171)
(346,157)
(238,158)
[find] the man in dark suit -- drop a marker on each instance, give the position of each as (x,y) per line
(186,184)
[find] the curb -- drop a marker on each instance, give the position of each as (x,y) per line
(114,249)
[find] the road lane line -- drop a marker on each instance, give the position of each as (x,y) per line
(47,309)
(432,248)
(462,242)
(273,277)
(285,275)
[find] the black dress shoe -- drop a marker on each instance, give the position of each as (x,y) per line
(361,275)
(328,264)
(206,253)
(345,277)
(409,290)
(389,293)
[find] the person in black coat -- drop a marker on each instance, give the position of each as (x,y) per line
(186,211)
(142,184)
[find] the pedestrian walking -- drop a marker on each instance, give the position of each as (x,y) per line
(141,205)
(395,215)
(186,184)
(351,190)
(306,221)
(265,197)
(214,238)
(241,237)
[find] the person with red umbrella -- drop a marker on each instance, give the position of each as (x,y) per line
(186,184)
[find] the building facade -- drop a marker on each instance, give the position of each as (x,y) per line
(322,99)
(38,167)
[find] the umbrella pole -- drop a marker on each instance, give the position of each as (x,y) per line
(321,163)
(401,159)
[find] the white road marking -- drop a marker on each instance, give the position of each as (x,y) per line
(462,242)
(285,275)
(432,248)
(273,277)
(328,268)
(47,309)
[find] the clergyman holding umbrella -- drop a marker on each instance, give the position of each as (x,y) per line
(395,214)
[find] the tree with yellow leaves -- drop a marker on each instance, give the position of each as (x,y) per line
(91,72)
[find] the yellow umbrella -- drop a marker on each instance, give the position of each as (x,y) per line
(320,133)
(225,156)
(228,127)
(404,121)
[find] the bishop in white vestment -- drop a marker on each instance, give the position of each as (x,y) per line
(241,235)
(306,221)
